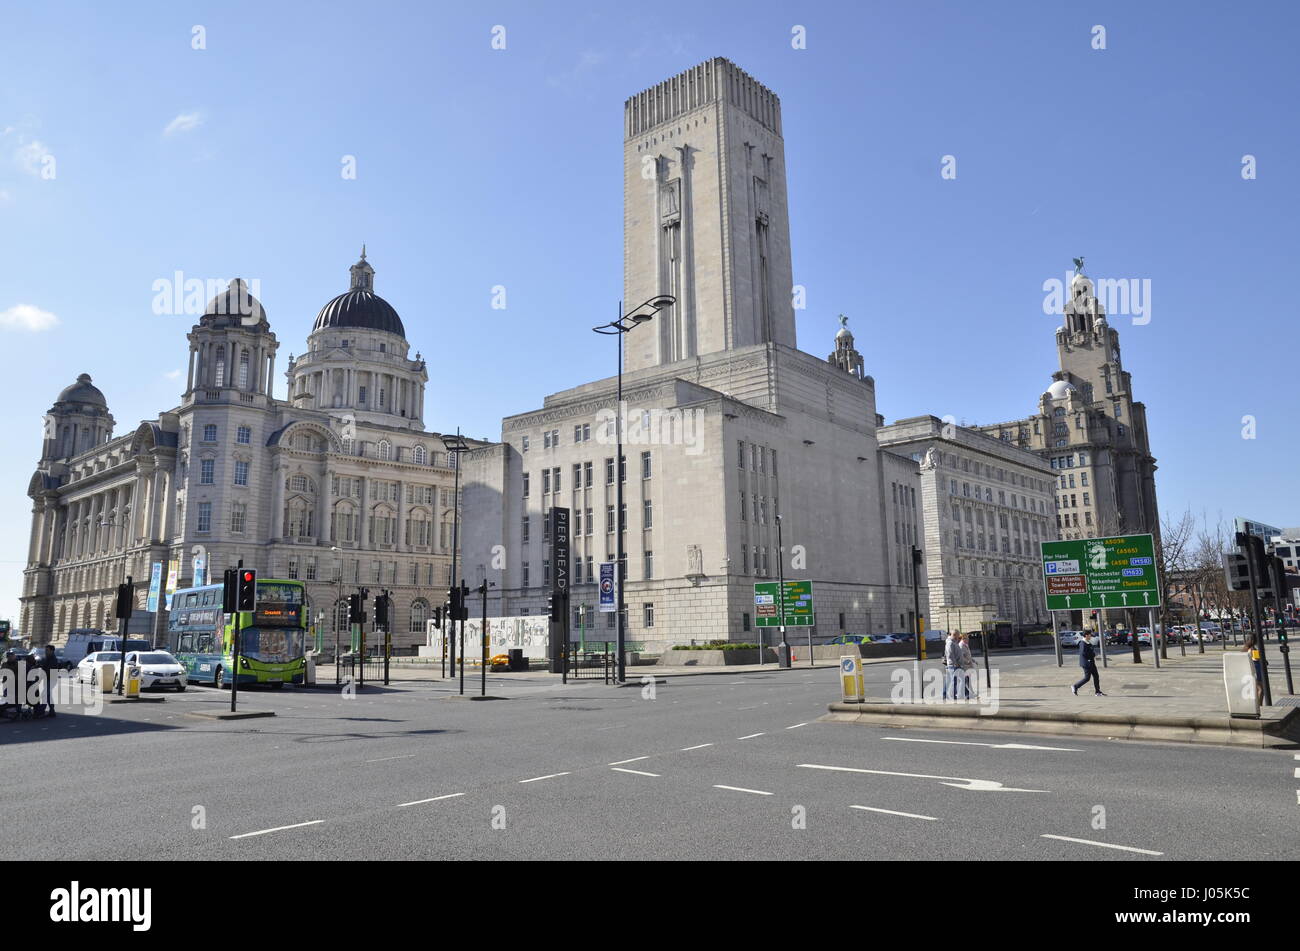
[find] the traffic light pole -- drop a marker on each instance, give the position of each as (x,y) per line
(483,636)
(1253,568)
(464,612)
(1279,623)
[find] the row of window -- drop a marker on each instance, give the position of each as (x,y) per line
(755,458)
(1071,501)
(976,541)
(757,505)
(1019,502)
(1071,519)
(1069,462)
(992,472)
(584,569)
(583,473)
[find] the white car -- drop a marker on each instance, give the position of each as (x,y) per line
(90,666)
(1070,638)
(158,669)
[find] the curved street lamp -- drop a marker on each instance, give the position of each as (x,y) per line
(625,323)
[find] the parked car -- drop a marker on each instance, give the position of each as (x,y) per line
(158,669)
(90,666)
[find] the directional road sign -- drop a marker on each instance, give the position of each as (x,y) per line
(1115,572)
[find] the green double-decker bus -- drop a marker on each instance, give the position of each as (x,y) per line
(271,639)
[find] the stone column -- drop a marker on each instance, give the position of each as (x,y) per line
(189,377)
(277,501)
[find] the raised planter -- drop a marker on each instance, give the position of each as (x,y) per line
(718,658)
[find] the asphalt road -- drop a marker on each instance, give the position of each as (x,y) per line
(711,767)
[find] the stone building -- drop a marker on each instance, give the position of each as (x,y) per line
(986,505)
(340,485)
(1090,430)
(728,424)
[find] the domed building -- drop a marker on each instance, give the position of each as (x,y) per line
(338,485)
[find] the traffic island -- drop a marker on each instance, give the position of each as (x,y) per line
(1276,727)
(141,699)
(471,696)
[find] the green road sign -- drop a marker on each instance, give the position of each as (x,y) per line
(1100,573)
(798,604)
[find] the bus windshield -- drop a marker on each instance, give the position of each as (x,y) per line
(275,591)
(271,645)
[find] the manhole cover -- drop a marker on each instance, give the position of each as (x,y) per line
(1134,686)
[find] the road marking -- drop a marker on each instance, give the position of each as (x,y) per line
(687,749)
(1104,845)
(632,760)
(796,726)
(891,812)
(539,778)
(756,792)
(385,758)
(995,746)
(419,802)
(634,772)
(978,785)
(296,825)
(750,737)
(754,707)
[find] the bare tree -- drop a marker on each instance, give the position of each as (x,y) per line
(1174,549)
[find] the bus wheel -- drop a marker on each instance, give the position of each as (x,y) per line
(219,680)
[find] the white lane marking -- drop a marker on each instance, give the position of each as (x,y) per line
(750,737)
(891,812)
(634,772)
(419,802)
(754,707)
(687,749)
(756,792)
(1104,845)
(539,778)
(296,825)
(796,726)
(995,746)
(632,760)
(384,758)
(979,785)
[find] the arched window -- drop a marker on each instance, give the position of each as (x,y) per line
(420,455)
(298,517)
(243,369)
(1059,411)
(419,614)
(343,526)
(341,616)
(383,526)
(219,377)
(385,450)
(417,528)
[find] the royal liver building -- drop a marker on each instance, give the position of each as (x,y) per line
(340,485)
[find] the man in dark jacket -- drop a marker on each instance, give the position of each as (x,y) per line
(1088,661)
(49,666)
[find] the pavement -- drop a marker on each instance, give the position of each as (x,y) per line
(1182,700)
(718,767)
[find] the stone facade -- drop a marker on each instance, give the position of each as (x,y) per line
(339,486)
(1090,430)
(728,425)
(987,505)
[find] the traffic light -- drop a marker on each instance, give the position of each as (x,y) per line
(453,603)
(229,590)
(125,601)
(354,609)
(246,593)
(381,611)
(437,617)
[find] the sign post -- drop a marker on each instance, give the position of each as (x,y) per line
(792,607)
(1103,573)
(560,590)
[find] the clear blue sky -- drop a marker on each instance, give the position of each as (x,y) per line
(478,167)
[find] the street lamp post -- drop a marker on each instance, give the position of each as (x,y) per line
(455,446)
(619,327)
(782,649)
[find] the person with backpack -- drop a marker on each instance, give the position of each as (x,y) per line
(1088,661)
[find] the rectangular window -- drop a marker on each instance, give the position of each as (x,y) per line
(609,519)
(645,465)
(647,514)
(206,471)
(210,433)
(649,565)
(546,481)
(237,518)
(586,474)
(577,522)
(555,478)
(205,517)
(648,614)
(244,435)
(745,621)
(744,512)
(361,394)
(525,485)
(577,476)
(241,472)
(609,471)
(524,576)
(740,454)
(546,572)
(293,568)
(591,523)
(524,531)
(524,444)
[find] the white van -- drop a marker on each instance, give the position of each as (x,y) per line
(83,641)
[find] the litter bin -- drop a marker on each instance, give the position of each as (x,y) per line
(309,671)
(517,659)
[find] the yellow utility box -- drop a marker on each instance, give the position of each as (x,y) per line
(851,679)
(132,681)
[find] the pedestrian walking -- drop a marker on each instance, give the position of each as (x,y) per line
(969,677)
(1088,661)
(951,664)
(49,666)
